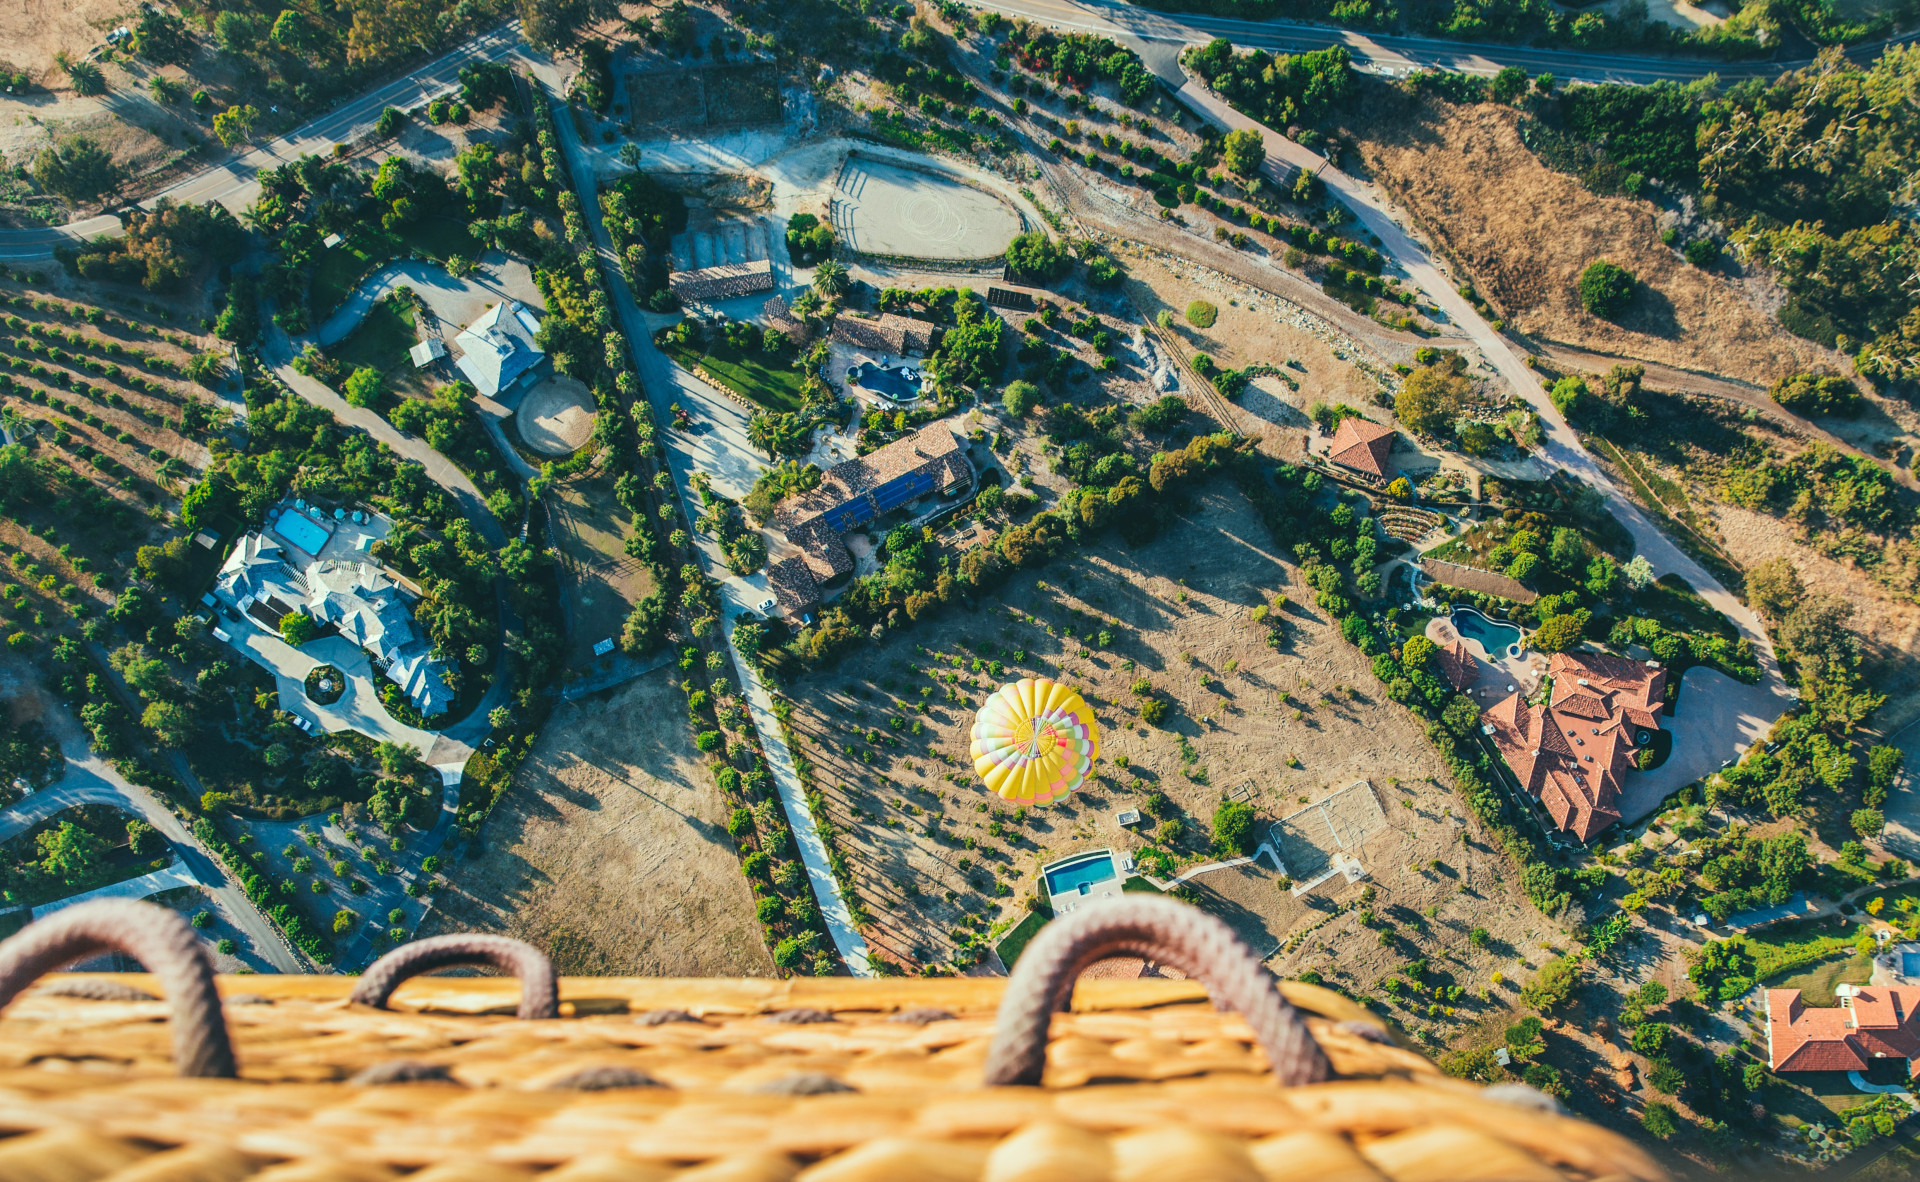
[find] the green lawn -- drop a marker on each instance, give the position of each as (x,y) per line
(746,374)
(382,340)
(1817,981)
(1015,942)
(1787,947)
(337,270)
(439,238)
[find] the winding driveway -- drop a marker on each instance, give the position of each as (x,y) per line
(91,780)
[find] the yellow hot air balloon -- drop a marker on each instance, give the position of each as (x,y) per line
(1035,741)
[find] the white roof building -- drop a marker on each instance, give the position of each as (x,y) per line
(368,609)
(497,351)
(257,573)
(427,352)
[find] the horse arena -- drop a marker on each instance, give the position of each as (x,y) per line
(880,208)
(1324,839)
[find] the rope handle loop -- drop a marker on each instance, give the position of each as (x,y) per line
(539,991)
(160,940)
(1157,929)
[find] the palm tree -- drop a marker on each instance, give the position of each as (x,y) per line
(762,432)
(830,278)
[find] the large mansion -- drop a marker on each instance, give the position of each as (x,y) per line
(1871,1022)
(1572,753)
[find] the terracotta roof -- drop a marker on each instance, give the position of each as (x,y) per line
(1468,579)
(779,316)
(722,282)
(1457,665)
(1877,1021)
(1362,445)
(1575,760)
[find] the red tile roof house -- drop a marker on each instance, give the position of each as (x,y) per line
(1362,446)
(931,460)
(1573,753)
(1871,1022)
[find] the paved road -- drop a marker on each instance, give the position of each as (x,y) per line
(1562,449)
(1159,35)
(232,181)
(666,383)
(91,780)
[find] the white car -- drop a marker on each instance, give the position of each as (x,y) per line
(304,723)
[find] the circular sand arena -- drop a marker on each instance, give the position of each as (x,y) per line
(556,417)
(889,209)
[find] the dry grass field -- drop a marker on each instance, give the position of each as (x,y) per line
(1525,232)
(603,583)
(610,850)
(938,859)
(32,31)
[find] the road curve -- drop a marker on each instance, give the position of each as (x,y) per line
(1382,52)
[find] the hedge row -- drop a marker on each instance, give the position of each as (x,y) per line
(266,894)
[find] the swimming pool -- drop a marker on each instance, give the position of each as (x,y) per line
(302,531)
(1079,875)
(900,385)
(1910,964)
(1499,640)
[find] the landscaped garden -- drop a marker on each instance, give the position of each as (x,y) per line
(735,356)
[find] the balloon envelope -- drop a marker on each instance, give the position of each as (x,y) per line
(1035,741)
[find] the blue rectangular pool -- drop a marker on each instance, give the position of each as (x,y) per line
(1076,877)
(302,531)
(1910,964)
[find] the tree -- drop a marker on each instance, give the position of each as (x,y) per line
(235,124)
(1509,84)
(1020,398)
(1431,398)
(1660,1120)
(1774,587)
(1036,257)
(1245,151)
(830,278)
(1810,394)
(363,387)
(1561,632)
(69,854)
(87,78)
(808,237)
(161,38)
(1868,822)
(1639,572)
(172,723)
(1153,711)
(343,921)
(1551,986)
(205,368)
(1606,289)
(1233,828)
(1202,314)
(78,170)
(389,124)
(1526,1038)
(297,628)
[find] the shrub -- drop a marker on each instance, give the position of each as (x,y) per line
(297,628)
(1606,288)
(201,919)
(1201,314)
(1809,394)
(1233,827)
(1868,822)
(343,922)
(1153,711)
(363,387)
(227,946)
(1702,252)
(1020,398)
(1659,1119)
(1551,986)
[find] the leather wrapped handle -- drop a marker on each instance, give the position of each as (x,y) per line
(1157,929)
(161,941)
(539,991)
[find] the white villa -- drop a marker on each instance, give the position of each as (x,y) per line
(356,598)
(497,351)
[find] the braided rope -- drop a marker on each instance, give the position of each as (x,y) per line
(539,992)
(1156,929)
(160,940)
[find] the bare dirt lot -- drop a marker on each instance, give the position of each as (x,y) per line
(1290,725)
(610,850)
(1525,233)
(32,31)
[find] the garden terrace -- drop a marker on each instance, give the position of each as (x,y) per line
(1407,523)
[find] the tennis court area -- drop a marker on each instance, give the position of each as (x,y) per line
(1323,839)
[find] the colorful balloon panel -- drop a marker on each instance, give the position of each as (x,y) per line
(1035,741)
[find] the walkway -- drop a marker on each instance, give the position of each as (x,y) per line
(657,376)
(172,878)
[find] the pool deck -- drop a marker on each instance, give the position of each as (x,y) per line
(1499,677)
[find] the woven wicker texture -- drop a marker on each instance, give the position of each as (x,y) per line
(730,1079)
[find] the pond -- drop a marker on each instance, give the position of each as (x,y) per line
(1499,640)
(898,385)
